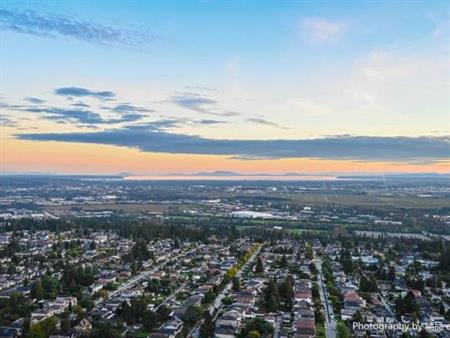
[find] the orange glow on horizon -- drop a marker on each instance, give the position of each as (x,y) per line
(74,158)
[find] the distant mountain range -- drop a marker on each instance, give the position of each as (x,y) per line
(231,174)
(223,173)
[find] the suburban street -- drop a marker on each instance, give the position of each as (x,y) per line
(330,322)
(215,307)
(135,280)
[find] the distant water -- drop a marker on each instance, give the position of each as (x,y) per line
(232,178)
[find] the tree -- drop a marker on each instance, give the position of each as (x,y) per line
(342,330)
(236,284)
(164,312)
(50,286)
(357,317)
(309,252)
(209,297)
(283,262)
(391,273)
(271,301)
(406,304)
(44,328)
(12,270)
(133,313)
(346,261)
(104,329)
(227,301)
(444,259)
(286,291)
(65,322)
(367,284)
(259,266)
(192,315)
(207,327)
(254,334)
(313,268)
(256,326)
(150,320)
(37,290)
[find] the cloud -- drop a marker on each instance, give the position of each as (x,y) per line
(265,122)
(126,108)
(80,105)
(200,104)
(7,122)
(82,92)
(161,124)
(209,122)
(364,148)
(55,26)
(322,29)
(34,100)
(80,115)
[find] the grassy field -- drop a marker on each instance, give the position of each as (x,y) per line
(370,200)
(114,207)
(299,231)
(319,198)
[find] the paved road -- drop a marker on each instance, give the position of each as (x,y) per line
(386,306)
(217,304)
(172,296)
(277,326)
(136,279)
(330,322)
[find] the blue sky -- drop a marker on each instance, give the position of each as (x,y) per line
(228,70)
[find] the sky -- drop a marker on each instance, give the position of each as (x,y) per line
(159,87)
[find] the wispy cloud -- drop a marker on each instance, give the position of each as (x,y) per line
(364,148)
(209,122)
(7,122)
(201,104)
(80,105)
(259,120)
(322,29)
(34,100)
(127,108)
(82,92)
(80,115)
(56,26)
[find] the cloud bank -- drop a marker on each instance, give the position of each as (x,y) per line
(364,148)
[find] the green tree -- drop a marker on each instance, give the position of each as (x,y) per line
(104,329)
(65,322)
(164,312)
(192,315)
(283,262)
(150,320)
(209,297)
(207,327)
(44,328)
(254,334)
(37,290)
(342,331)
(236,284)
(257,325)
(259,265)
(12,270)
(271,301)
(367,284)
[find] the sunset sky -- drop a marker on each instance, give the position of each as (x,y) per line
(157,87)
